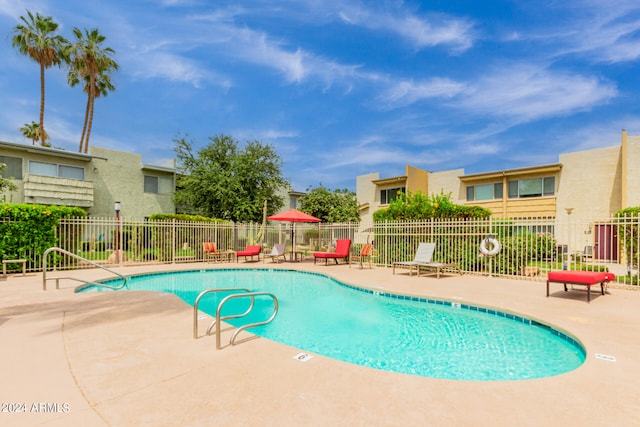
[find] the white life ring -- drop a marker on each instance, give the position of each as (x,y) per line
(495,246)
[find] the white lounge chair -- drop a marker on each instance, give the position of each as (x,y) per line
(423,259)
(277,251)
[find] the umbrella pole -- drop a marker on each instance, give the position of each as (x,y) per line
(293,241)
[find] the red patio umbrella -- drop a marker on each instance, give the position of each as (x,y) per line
(293,216)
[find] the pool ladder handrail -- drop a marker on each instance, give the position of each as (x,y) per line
(86,282)
(210,291)
(219,318)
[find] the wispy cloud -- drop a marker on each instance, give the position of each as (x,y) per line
(405,92)
(174,67)
(597,30)
(421,31)
(529,92)
(294,63)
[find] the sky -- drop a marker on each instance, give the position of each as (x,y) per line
(341,88)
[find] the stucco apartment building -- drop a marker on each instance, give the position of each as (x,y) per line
(588,184)
(92,181)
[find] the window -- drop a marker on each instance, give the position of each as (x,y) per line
(55,170)
(14,167)
(484,192)
(70,172)
(533,187)
(389,195)
(158,184)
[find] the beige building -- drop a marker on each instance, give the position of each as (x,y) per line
(92,181)
(588,184)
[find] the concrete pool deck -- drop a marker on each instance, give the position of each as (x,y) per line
(129,359)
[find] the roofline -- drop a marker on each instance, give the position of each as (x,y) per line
(158,168)
(512,172)
(45,150)
(389,180)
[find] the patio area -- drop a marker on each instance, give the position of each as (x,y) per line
(129,359)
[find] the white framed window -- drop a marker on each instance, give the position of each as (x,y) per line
(158,184)
(14,167)
(390,194)
(484,192)
(532,187)
(56,170)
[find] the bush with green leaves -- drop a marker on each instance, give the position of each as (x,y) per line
(628,232)
(28,230)
(418,206)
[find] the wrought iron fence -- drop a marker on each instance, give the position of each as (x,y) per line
(529,247)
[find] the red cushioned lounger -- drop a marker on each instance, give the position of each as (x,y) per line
(583,278)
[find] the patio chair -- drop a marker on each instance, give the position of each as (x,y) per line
(365,255)
(587,253)
(276,252)
(423,259)
(249,251)
(210,252)
(341,252)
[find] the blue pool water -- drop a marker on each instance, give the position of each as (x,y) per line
(430,338)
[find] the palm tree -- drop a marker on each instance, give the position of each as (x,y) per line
(102,87)
(32,132)
(91,64)
(36,38)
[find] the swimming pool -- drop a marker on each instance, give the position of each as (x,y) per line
(410,335)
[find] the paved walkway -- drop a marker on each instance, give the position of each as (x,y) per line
(129,359)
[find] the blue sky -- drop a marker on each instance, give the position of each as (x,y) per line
(344,87)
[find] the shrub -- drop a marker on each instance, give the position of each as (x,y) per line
(27,230)
(628,231)
(420,206)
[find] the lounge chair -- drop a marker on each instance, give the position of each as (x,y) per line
(341,252)
(276,252)
(249,251)
(210,252)
(365,255)
(423,259)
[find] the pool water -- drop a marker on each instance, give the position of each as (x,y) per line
(430,338)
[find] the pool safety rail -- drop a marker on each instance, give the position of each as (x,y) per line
(240,293)
(86,282)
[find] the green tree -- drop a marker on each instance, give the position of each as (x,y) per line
(90,63)
(37,39)
(32,132)
(331,206)
(229,182)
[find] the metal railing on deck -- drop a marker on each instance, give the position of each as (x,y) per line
(86,282)
(530,246)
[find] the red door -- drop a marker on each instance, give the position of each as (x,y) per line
(606,243)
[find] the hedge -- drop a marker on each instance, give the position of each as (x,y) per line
(28,230)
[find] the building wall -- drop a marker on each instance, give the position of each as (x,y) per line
(39,189)
(109,176)
(590,183)
(119,176)
(448,182)
(417,180)
(366,196)
(633,172)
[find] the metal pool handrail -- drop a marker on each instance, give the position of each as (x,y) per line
(250,325)
(209,291)
(87,282)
